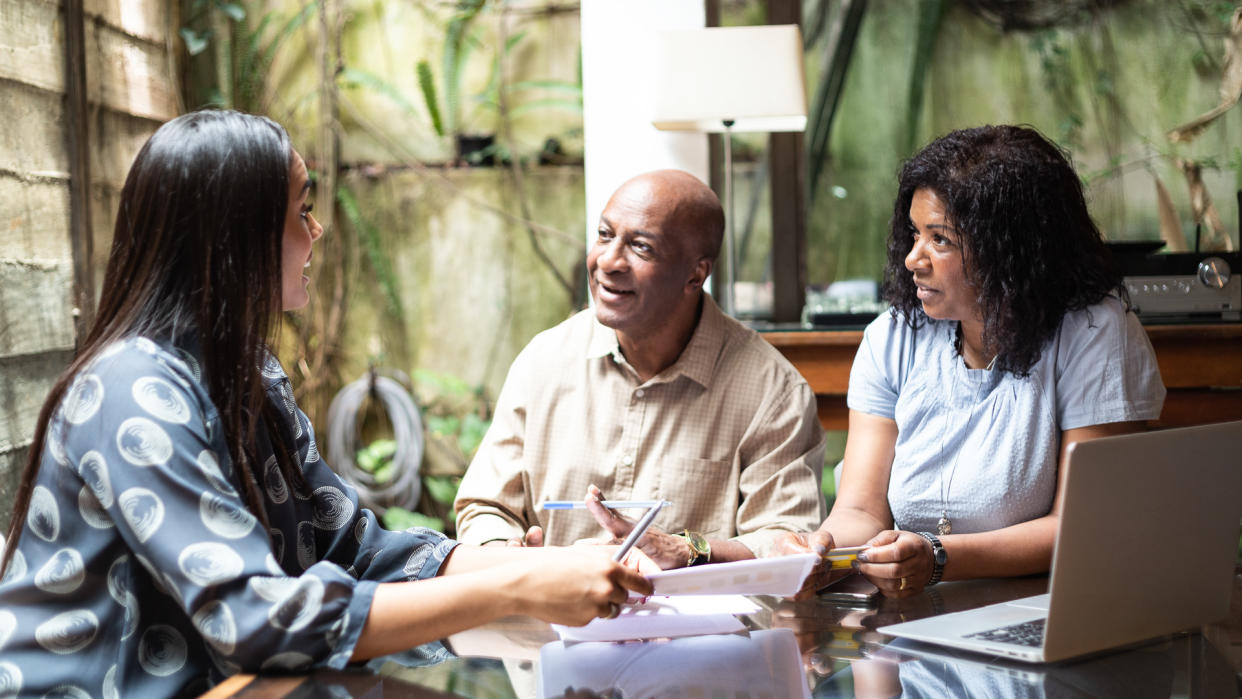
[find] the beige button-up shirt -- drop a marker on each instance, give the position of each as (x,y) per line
(729,434)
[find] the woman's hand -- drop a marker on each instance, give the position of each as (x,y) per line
(899,563)
(818,542)
(572,586)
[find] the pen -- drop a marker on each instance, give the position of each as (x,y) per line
(610,504)
(637,531)
(843,557)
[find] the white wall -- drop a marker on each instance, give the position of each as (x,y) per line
(617,90)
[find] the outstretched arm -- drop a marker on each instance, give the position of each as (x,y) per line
(476,586)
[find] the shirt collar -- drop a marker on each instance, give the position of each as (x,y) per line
(696,362)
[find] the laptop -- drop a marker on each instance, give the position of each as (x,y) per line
(1146,547)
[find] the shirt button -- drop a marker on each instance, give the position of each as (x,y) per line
(627,460)
(638,393)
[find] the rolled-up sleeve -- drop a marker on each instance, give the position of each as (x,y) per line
(493,494)
(783,459)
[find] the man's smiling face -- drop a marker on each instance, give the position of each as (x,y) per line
(641,268)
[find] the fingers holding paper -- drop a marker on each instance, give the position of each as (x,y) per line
(824,573)
(572,586)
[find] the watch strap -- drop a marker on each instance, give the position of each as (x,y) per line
(700,549)
(939,557)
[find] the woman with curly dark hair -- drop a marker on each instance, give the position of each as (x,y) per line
(1010,337)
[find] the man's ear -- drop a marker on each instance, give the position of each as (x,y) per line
(702,270)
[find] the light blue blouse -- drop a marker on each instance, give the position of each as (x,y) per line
(980,446)
(140,571)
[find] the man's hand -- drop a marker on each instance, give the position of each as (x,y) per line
(666,550)
(533,537)
(818,542)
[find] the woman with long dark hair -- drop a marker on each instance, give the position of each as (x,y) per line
(1010,337)
(174,523)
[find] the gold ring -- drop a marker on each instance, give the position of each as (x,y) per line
(903,583)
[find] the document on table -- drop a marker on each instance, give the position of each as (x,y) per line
(699,600)
(666,617)
(780,576)
(760,664)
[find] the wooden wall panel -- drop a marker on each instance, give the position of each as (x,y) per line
(150,20)
(128,75)
(32,136)
(34,215)
(35,312)
(32,48)
(130,90)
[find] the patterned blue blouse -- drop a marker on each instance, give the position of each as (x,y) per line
(141,572)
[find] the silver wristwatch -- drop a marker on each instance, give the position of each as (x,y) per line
(939,557)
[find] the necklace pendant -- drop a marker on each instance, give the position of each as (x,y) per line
(944,526)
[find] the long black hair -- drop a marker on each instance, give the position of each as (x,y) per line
(1029,247)
(196,255)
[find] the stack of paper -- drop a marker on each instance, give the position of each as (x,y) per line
(699,600)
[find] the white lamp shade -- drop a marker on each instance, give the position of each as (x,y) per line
(750,75)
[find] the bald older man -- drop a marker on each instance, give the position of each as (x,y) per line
(653,394)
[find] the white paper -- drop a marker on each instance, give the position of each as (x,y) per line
(780,576)
(508,638)
(761,664)
(701,604)
(634,627)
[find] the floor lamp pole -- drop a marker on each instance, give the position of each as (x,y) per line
(730,257)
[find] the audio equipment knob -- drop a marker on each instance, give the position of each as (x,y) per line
(1214,273)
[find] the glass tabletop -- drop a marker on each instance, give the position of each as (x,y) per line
(791,649)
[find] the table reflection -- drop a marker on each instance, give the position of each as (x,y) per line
(1185,666)
(757,664)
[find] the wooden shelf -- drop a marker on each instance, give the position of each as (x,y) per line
(1201,366)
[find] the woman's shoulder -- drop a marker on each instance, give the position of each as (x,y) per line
(140,355)
(895,329)
(1106,317)
(137,368)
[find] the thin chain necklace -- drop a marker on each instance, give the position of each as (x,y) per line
(945,525)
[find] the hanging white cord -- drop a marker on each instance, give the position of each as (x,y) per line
(404,487)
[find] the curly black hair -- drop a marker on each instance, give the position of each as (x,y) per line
(1029,247)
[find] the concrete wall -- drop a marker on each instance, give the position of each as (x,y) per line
(130,91)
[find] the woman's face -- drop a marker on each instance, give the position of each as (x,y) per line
(936,261)
(301,230)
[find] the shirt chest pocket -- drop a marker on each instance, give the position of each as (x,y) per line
(704,494)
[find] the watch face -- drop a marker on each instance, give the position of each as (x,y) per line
(941,555)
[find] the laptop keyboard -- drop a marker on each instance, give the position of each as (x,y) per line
(1028,633)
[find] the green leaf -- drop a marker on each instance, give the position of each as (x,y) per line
(445,384)
(379,261)
(383,448)
(235,11)
(442,489)
(195,43)
(513,41)
(473,428)
(400,519)
(384,473)
(555,85)
(573,106)
(443,425)
(366,460)
(427,85)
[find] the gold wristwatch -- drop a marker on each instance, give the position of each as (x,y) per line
(700,550)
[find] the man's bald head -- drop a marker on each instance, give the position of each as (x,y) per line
(685,205)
